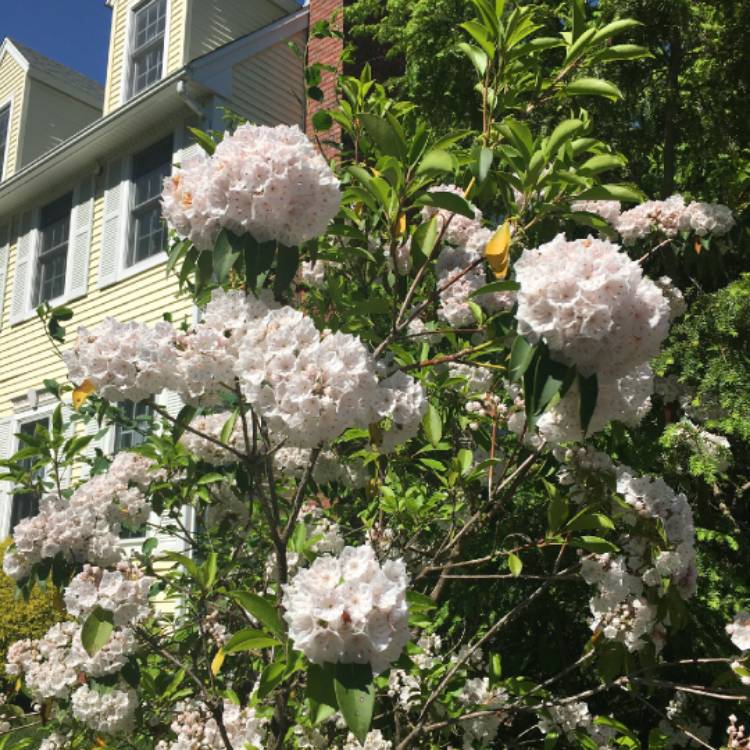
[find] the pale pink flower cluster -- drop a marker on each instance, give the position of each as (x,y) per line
(270,182)
(403,405)
(707,218)
(108,711)
(662,217)
(566,718)
(591,304)
(312,273)
(86,527)
(349,609)
(124,361)
(122,591)
(460,228)
(608,210)
(212,426)
(373,741)
(196,729)
(477,695)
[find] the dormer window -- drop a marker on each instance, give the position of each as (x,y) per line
(4,128)
(147,55)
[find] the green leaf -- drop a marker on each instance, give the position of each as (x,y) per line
(580,45)
(433,425)
(622,52)
(261,609)
(355,695)
(623,193)
(419,602)
(322,120)
(562,134)
(588,388)
(183,420)
(521,354)
(321,693)
(579,18)
(504,285)
(557,511)
(96,630)
(602,163)
(204,140)
(590,520)
(249,639)
(287,263)
(593,87)
(448,201)
(496,668)
(515,564)
(211,478)
(595,544)
(477,56)
(486,155)
(465,458)
(223,256)
(228,428)
(426,236)
(386,137)
(481,37)
(437,160)
(188,563)
(272,676)
(616,27)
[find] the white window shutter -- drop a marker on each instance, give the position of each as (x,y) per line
(81,223)
(4,252)
(113,223)
(24,274)
(6,489)
(171,402)
(186,147)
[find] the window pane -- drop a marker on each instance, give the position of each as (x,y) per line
(150,22)
(148,45)
(53,250)
(4,124)
(51,275)
(147,68)
(26,504)
(150,167)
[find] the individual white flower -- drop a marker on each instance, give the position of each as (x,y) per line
(209,451)
(373,741)
(111,712)
(608,210)
(739,630)
(591,304)
(565,718)
(707,218)
(404,404)
(349,609)
(269,182)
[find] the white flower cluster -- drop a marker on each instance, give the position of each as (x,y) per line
(312,273)
(608,210)
(55,741)
(673,294)
(211,452)
(406,688)
(124,361)
(373,741)
(86,527)
(736,737)
(330,467)
(51,664)
(566,718)
(478,379)
(226,505)
(477,695)
(349,609)
(626,399)
(591,304)
(739,630)
(670,216)
(268,182)
(403,403)
(467,239)
(111,712)
(196,729)
(714,447)
(122,591)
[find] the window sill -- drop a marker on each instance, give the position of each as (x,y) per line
(30,314)
(134,270)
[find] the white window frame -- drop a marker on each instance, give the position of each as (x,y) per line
(127,75)
(6,104)
(61,299)
(124,271)
(24,417)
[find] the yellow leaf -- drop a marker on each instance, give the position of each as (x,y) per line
(100,742)
(697,246)
(497,251)
(217,662)
(81,393)
(402,224)
(470,187)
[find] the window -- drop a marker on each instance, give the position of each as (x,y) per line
(54,230)
(148,234)
(129,434)
(147,56)
(26,504)
(4,127)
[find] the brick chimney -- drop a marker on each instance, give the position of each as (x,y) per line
(327,51)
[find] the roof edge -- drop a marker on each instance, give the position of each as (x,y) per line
(14,52)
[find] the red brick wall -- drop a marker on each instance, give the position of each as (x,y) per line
(328,52)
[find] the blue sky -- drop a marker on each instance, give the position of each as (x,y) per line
(73,32)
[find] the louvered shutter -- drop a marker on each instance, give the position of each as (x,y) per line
(6,448)
(70,431)
(186,147)
(21,300)
(171,402)
(114,222)
(4,252)
(81,222)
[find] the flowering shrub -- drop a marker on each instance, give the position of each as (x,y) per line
(407,501)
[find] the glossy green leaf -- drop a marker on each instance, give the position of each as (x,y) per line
(437,160)
(249,639)
(425,237)
(97,630)
(593,87)
(262,610)
(433,425)
(271,677)
(562,134)
(382,133)
(515,564)
(588,388)
(355,695)
(321,693)
(448,201)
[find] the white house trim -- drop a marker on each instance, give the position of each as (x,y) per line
(7,102)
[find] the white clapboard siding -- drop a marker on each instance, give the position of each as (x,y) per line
(81,223)
(102,443)
(25,251)
(4,253)
(6,449)
(113,223)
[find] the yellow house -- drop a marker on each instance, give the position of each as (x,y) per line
(81,171)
